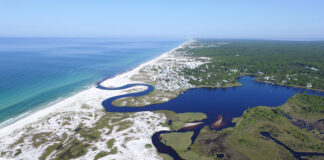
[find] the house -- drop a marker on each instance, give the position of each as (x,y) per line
(309,85)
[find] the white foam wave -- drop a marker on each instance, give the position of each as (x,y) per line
(14,119)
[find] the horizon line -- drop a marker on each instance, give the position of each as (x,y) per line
(174,38)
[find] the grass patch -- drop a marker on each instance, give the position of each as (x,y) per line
(124,125)
(177,120)
(40,138)
(3,153)
(246,137)
(165,156)
(18,151)
(190,155)
(89,134)
(113,151)
(68,147)
(148,145)
(49,150)
(110,143)
(74,149)
(101,154)
(178,141)
(305,107)
(211,143)
(154,97)
(20,140)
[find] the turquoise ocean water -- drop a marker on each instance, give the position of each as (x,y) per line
(35,72)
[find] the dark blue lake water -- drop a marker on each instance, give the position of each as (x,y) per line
(228,102)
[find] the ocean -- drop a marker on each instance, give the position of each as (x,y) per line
(37,72)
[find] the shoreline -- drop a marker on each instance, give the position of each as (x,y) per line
(279,84)
(17,118)
(294,86)
(65,103)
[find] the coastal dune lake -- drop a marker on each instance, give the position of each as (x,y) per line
(228,102)
(215,103)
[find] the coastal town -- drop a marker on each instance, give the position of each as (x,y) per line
(168,74)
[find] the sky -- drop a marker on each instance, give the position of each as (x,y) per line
(266,19)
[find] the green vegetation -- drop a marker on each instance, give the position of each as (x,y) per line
(244,141)
(101,154)
(18,151)
(19,141)
(177,120)
(154,97)
(110,143)
(124,125)
(181,142)
(310,108)
(40,138)
(190,155)
(74,149)
(104,153)
(49,150)
(314,103)
(69,147)
(211,143)
(256,114)
(89,134)
(148,146)
(165,156)
(113,151)
(177,140)
(246,137)
(280,62)
(3,153)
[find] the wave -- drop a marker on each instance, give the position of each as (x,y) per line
(43,106)
(27,98)
(14,119)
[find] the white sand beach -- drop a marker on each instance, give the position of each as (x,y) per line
(48,119)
